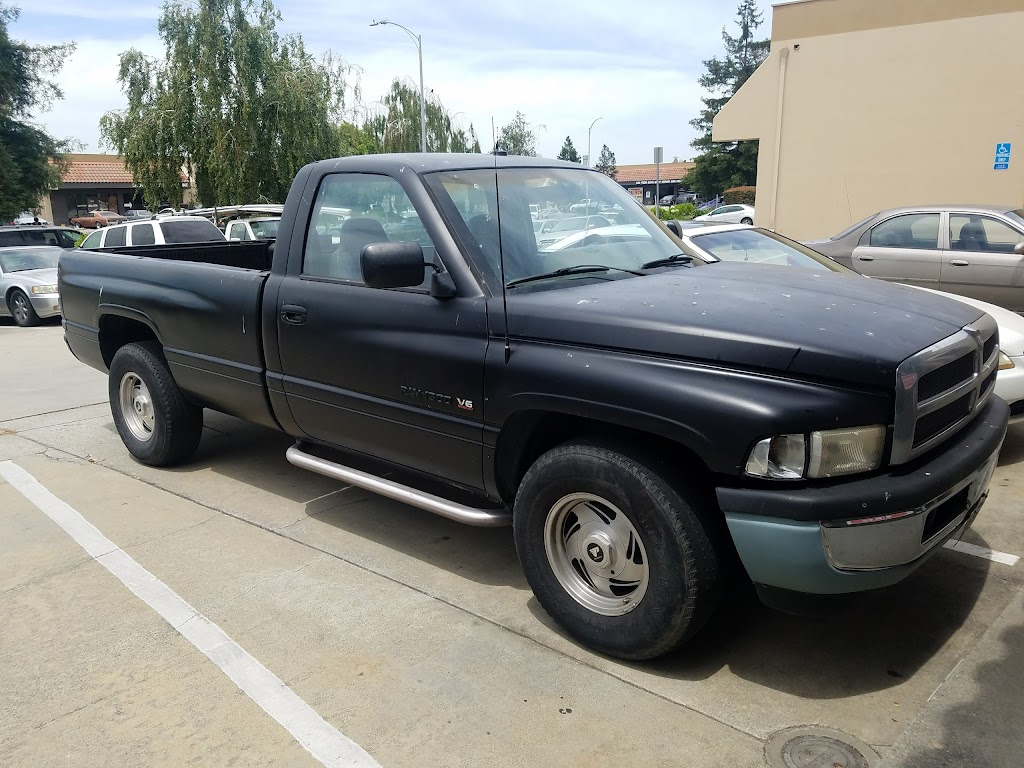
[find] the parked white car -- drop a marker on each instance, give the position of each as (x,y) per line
(729,214)
(169,229)
(759,246)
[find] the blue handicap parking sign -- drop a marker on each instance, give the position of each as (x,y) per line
(1000,166)
(1003,148)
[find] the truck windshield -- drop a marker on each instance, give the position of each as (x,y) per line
(619,234)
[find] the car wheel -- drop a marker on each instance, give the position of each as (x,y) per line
(156,423)
(21,309)
(746,220)
(613,552)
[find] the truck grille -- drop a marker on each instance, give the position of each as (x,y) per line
(941,388)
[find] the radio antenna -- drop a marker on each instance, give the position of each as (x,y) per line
(501,248)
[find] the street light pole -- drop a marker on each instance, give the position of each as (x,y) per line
(589,156)
(418,40)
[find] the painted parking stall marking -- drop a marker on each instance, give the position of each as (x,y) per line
(984,552)
(322,740)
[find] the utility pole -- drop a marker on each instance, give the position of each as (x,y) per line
(588,139)
(658,157)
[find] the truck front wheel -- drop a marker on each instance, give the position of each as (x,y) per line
(156,423)
(614,553)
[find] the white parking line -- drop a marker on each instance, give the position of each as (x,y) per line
(988,554)
(322,740)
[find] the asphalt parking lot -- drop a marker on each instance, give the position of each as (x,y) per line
(418,639)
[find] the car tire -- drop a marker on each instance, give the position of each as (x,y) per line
(21,309)
(157,425)
(585,509)
(746,220)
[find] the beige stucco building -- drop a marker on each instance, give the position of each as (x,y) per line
(869,104)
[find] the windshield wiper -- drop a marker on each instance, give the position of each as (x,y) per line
(578,269)
(668,261)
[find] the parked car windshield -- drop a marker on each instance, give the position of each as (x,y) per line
(23,259)
(762,247)
(265,230)
(853,227)
(516,249)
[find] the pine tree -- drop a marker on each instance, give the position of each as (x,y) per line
(720,166)
(606,162)
(568,152)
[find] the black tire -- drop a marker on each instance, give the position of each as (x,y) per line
(177,424)
(746,220)
(21,309)
(684,585)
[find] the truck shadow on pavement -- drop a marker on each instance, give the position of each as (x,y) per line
(864,643)
(867,642)
(254,455)
(983,731)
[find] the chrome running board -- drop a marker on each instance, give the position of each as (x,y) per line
(484,518)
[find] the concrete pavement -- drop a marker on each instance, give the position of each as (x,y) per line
(414,636)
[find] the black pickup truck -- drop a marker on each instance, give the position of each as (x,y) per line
(641,416)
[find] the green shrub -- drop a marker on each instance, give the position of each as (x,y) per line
(683,211)
(738,195)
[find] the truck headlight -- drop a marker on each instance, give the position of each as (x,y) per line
(1005,363)
(828,453)
(43,290)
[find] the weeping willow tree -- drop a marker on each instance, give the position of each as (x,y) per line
(236,105)
(395,125)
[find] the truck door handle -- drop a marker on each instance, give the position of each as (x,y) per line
(293,314)
(865,258)
(959,263)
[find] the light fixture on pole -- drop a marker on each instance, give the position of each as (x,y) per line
(423,103)
(588,139)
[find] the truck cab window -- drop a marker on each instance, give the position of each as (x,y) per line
(353,210)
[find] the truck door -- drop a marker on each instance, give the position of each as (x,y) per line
(393,374)
(903,248)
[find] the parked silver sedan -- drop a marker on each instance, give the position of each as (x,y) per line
(28,283)
(970,250)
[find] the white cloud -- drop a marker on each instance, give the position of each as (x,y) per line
(561,64)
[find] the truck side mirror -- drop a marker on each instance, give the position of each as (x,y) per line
(392,264)
(673,225)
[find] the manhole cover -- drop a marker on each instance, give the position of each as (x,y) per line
(812,747)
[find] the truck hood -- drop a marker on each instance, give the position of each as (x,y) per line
(1011,325)
(843,328)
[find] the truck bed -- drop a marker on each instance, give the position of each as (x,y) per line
(199,302)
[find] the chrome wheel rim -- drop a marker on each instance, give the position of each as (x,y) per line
(20,308)
(596,554)
(137,407)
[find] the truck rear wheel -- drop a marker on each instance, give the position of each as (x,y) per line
(614,553)
(156,423)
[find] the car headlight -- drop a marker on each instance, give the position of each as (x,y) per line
(41,290)
(1005,363)
(828,453)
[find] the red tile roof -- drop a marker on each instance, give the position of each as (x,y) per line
(110,171)
(646,172)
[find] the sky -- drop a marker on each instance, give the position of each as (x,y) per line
(562,64)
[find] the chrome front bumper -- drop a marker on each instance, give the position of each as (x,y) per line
(900,538)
